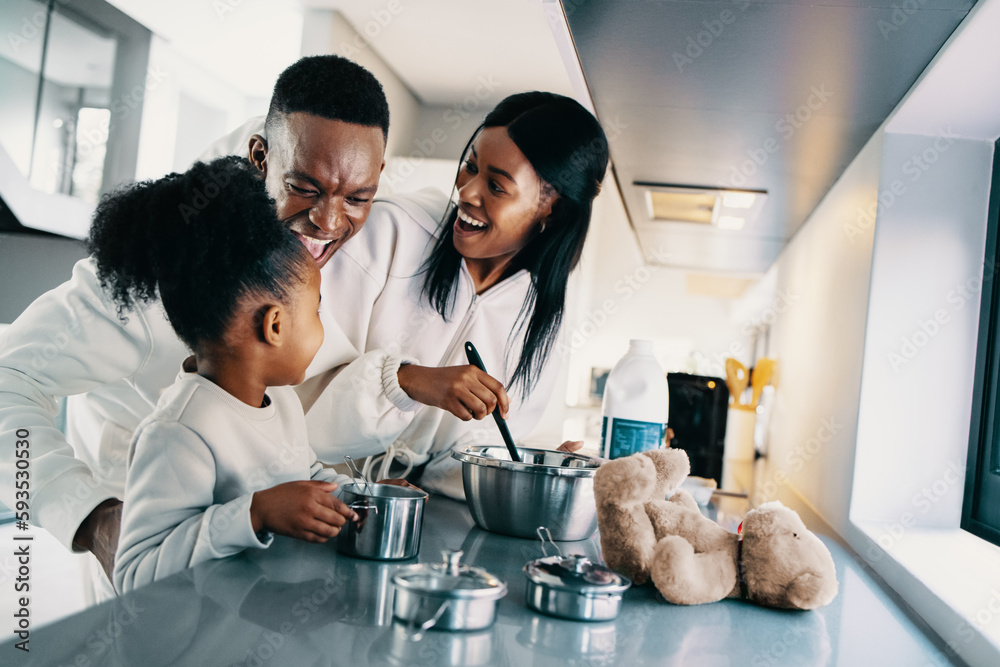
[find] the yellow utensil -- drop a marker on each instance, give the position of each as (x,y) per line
(736,380)
(760,378)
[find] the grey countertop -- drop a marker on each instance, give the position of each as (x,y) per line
(304,604)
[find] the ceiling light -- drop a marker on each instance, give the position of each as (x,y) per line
(677,206)
(730,210)
(738,199)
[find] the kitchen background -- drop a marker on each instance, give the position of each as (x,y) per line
(841,113)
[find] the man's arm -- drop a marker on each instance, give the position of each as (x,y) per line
(69,341)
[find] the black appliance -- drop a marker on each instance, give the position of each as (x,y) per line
(698,408)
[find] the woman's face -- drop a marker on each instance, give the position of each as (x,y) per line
(500,199)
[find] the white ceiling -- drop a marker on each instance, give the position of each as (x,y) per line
(441,48)
(247,45)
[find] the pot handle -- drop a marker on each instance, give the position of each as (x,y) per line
(415,632)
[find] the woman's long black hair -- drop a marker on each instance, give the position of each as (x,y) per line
(200,241)
(568,150)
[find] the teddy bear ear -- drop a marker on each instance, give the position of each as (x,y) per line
(810,591)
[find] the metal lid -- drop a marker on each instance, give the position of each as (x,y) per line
(450,579)
(576,574)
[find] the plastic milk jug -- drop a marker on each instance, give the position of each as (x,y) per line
(635,406)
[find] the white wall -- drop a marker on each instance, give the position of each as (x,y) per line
(185,109)
(327,31)
(615,296)
(818,342)
(881,343)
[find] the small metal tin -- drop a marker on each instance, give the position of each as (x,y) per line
(574,587)
(389,522)
(446,596)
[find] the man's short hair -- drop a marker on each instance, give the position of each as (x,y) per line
(330,87)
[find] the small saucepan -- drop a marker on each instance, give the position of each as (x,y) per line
(573,587)
(389,522)
(446,596)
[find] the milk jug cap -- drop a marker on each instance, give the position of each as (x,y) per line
(641,346)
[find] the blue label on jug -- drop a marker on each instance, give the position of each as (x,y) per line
(629,437)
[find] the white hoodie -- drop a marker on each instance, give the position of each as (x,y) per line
(373,285)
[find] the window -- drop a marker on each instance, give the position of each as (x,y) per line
(981,508)
(72,75)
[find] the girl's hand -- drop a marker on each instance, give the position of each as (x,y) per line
(304,510)
(464,391)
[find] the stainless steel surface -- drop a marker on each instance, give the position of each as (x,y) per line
(389,522)
(574,587)
(549,488)
(446,596)
(295,603)
(468,649)
(575,606)
(778,96)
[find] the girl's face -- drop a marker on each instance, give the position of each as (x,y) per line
(500,199)
(305,331)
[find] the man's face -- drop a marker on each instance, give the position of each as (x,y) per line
(322,175)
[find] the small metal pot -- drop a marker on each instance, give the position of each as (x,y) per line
(574,587)
(389,522)
(446,596)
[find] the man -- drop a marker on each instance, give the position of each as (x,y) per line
(324,149)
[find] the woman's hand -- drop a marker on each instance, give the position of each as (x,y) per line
(570,446)
(304,510)
(464,391)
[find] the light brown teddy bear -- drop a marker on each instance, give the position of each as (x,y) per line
(693,560)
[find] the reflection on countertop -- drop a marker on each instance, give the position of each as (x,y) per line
(305,604)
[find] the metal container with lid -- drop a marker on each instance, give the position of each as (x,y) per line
(574,587)
(448,595)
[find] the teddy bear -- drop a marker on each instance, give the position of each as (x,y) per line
(774,561)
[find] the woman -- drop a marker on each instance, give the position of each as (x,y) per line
(494,272)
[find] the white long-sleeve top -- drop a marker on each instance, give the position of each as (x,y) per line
(194,465)
(376,281)
(70,341)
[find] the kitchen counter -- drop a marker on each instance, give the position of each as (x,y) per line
(304,604)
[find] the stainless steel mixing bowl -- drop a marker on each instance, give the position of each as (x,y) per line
(549,488)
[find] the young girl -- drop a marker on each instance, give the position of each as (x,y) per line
(224,460)
(424,276)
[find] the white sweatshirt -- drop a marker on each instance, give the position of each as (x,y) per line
(194,465)
(70,341)
(376,280)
